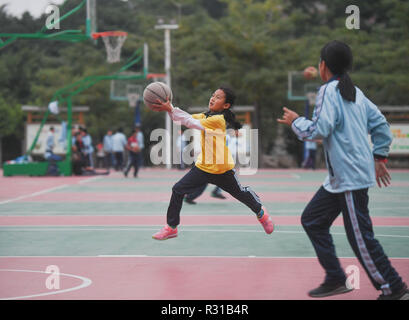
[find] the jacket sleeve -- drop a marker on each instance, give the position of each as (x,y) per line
(185,119)
(379,130)
(323,120)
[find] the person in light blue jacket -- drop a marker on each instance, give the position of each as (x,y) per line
(88,148)
(49,154)
(343,118)
(108,149)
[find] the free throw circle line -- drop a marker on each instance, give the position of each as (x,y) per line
(85,283)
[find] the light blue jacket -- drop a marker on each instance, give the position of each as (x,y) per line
(118,142)
(49,145)
(141,142)
(344,127)
(108,143)
(87,141)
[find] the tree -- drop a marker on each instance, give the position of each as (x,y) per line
(9,121)
(249,44)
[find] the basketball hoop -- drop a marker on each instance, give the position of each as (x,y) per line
(113,41)
(156,77)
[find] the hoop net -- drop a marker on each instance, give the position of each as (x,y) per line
(133,93)
(133,99)
(113,41)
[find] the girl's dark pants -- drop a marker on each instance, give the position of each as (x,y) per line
(196,178)
(317,219)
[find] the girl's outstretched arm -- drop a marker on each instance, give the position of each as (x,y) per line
(179,115)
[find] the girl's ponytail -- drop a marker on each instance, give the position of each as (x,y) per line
(346,87)
(230,118)
(338,58)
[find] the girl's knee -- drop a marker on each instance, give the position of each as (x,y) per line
(177,188)
(180,188)
(305,220)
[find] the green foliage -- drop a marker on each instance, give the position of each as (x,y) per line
(248,44)
(10,119)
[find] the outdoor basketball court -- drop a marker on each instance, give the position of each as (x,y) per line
(97,232)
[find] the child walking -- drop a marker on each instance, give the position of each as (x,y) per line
(214,164)
(343,117)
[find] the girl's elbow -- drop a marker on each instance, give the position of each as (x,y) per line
(390,137)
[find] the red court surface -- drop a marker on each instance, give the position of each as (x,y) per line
(179,278)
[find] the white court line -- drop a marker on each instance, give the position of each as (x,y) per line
(79,228)
(33,194)
(89,180)
(45,191)
(85,283)
(162,256)
(216,257)
(123,256)
(193,213)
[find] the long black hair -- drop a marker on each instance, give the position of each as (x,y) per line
(338,58)
(229,116)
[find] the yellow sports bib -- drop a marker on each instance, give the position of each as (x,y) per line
(215,156)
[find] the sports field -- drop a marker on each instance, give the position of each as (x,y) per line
(98,232)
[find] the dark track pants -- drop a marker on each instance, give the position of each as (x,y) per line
(196,178)
(133,161)
(317,218)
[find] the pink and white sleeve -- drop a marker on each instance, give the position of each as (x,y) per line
(185,119)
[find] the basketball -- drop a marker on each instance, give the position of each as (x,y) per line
(310,73)
(155,91)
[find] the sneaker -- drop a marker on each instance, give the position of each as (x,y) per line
(402,294)
(326,290)
(266,222)
(218,195)
(166,233)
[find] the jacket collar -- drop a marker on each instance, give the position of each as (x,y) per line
(212,113)
(335,77)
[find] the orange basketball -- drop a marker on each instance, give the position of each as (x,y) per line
(310,73)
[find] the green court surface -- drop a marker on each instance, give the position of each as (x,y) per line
(202,240)
(286,241)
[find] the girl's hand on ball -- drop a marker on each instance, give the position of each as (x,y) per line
(288,117)
(163,105)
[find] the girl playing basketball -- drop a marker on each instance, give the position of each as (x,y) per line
(214,165)
(343,118)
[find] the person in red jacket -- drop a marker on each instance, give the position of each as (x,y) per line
(134,153)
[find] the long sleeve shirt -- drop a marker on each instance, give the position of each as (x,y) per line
(344,127)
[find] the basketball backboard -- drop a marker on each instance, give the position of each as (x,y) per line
(299,87)
(121,88)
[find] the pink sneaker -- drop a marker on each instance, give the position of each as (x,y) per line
(266,222)
(166,233)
